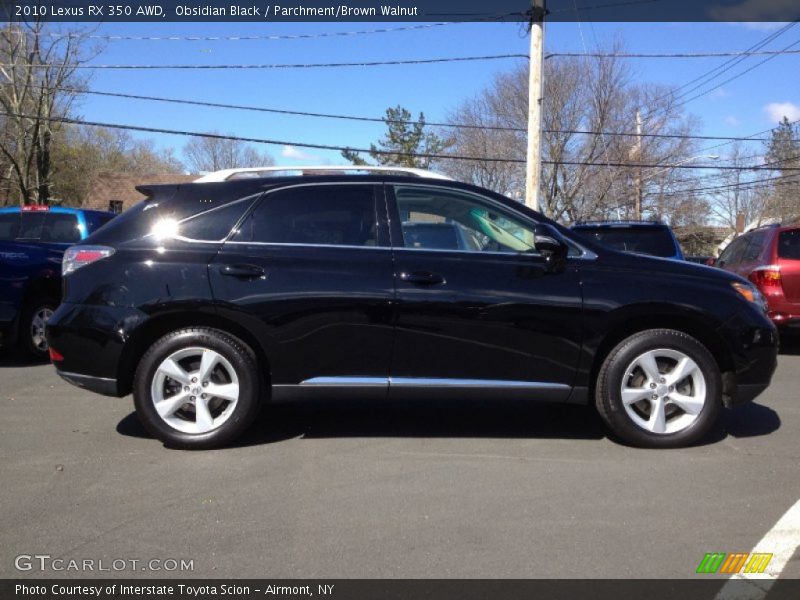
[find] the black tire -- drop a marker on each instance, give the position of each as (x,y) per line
(26,339)
(240,357)
(608,397)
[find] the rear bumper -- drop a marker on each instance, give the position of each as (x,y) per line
(100,385)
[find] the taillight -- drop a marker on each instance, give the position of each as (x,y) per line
(767,278)
(80,256)
(55,355)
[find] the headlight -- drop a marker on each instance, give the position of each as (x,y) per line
(751,294)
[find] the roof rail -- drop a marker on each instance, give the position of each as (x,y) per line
(619,222)
(255,172)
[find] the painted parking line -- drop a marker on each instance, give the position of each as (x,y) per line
(781,541)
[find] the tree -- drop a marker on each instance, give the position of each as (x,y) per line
(578,180)
(79,153)
(405,140)
(215,154)
(37,63)
(783,155)
(736,194)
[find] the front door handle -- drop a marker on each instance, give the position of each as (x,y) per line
(422,278)
(242,271)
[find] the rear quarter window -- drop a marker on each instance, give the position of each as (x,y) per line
(789,244)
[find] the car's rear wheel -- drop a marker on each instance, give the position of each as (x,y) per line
(32,327)
(197,388)
(659,388)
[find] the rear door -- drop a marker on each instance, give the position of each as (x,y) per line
(789,261)
(752,255)
(731,257)
(309,272)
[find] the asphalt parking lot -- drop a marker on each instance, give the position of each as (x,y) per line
(345,489)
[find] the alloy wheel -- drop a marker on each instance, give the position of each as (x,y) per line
(195,390)
(663,391)
(38,323)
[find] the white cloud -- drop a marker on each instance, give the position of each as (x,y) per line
(296,154)
(732,121)
(719,93)
(777,110)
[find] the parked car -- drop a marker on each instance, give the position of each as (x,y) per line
(642,237)
(207,299)
(770,257)
(32,242)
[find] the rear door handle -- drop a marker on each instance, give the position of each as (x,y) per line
(242,271)
(422,278)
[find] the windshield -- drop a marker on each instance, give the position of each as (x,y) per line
(655,241)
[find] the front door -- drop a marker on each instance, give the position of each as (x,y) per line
(477,306)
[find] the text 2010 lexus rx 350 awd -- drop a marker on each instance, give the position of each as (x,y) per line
(208,299)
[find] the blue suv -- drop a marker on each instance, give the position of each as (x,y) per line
(641,237)
(32,243)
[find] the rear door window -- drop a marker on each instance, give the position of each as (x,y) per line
(60,228)
(754,247)
(732,255)
(333,215)
(31,225)
(9,226)
(789,244)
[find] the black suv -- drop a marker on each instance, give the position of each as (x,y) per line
(208,299)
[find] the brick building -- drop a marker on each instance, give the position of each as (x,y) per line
(117,191)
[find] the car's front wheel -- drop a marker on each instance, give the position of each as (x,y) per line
(197,388)
(659,388)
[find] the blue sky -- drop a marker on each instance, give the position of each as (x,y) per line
(738,109)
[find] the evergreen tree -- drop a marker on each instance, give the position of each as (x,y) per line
(404,141)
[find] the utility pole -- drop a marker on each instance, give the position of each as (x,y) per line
(637,209)
(534,158)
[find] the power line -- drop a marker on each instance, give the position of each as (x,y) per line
(727,65)
(737,76)
(367,150)
(674,55)
(282,111)
(741,185)
(246,38)
(417,61)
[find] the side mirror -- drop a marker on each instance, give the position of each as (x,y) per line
(551,247)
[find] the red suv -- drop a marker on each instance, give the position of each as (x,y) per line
(770,258)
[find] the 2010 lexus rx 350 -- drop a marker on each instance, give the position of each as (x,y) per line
(208,299)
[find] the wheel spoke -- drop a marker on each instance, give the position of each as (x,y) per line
(648,364)
(658,421)
(174,371)
(685,367)
(203,416)
(168,406)
(226,391)
(688,404)
(633,395)
(209,360)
